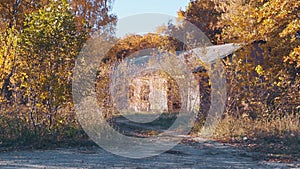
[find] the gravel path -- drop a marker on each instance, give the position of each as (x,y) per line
(200,154)
(194,153)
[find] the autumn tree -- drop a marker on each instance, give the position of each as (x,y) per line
(135,43)
(13,12)
(49,45)
(205,15)
(93,15)
(8,61)
(268,67)
(39,42)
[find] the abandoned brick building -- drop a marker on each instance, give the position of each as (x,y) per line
(154,93)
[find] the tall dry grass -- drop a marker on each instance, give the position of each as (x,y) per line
(238,127)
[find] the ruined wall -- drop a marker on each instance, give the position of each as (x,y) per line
(151,93)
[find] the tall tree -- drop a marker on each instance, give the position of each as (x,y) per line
(276,23)
(49,44)
(93,14)
(8,61)
(205,15)
(13,12)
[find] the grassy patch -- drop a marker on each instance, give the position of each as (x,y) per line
(277,139)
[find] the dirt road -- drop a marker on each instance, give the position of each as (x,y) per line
(200,154)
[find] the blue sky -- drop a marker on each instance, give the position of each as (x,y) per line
(125,9)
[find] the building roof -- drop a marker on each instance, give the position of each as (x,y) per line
(212,53)
(209,54)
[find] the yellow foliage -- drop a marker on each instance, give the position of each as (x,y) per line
(259,70)
(294,57)
(8,60)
